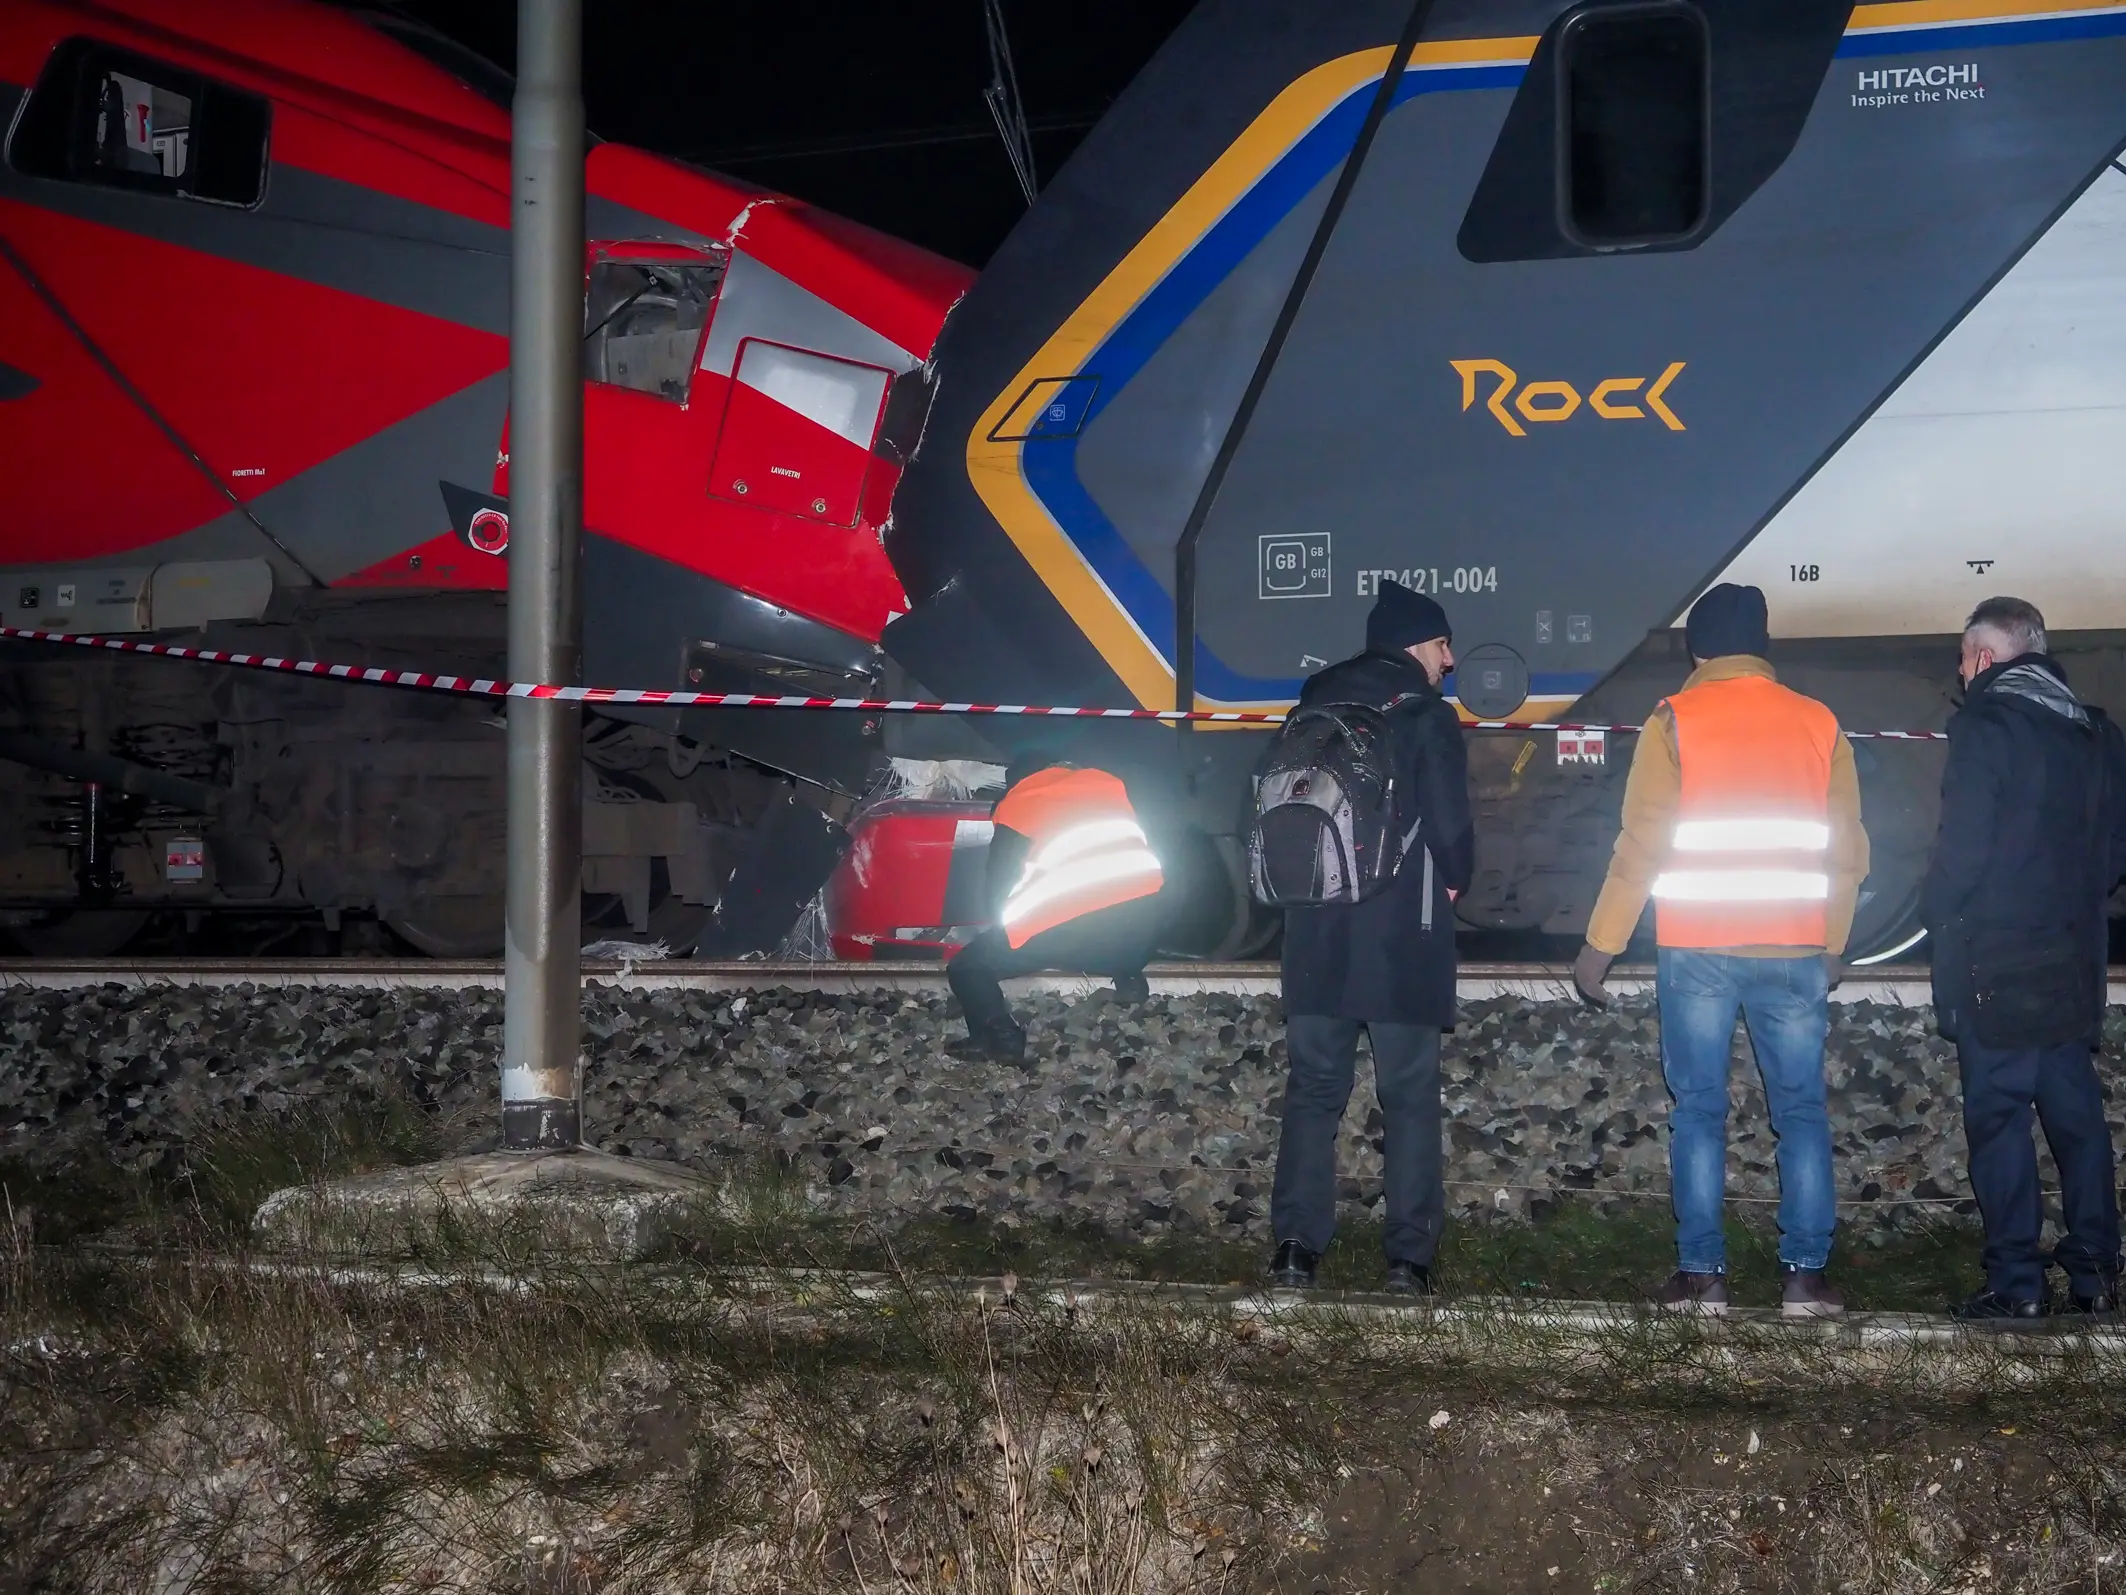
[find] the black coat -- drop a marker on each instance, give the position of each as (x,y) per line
(2018,859)
(1375,960)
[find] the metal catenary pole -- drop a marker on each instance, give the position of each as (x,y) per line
(542,1061)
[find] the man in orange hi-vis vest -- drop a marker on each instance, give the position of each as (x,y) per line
(1076,884)
(1742,822)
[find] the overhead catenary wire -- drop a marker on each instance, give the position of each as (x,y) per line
(884,140)
(1005,106)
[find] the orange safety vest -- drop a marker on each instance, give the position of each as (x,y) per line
(1088,850)
(1746,862)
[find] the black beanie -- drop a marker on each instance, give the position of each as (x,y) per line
(1401,619)
(1728,620)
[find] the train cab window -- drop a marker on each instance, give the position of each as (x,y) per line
(643,322)
(1634,112)
(110,117)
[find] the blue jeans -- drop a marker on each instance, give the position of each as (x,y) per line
(1785,1003)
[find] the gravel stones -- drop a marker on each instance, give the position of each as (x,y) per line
(1138,1119)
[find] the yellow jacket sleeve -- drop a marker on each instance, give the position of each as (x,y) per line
(1651,793)
(1847,864)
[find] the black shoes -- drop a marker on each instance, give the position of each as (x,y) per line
(1005,1043)
(1406,1278)
(2104,1304)
(1293,1266)
(1989,1309)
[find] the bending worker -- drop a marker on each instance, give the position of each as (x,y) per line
(1076,886)
(1742,820)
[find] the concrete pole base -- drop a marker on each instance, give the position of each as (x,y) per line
(548,1124)
(489,1207)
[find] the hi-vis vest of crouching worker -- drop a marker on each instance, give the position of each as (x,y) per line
(1088,851)
(1076,882)
(1748,852)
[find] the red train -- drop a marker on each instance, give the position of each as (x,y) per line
(254,277)
(1728,309)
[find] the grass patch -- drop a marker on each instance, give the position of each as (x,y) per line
(177,1421)
(1576,1252)
(226,1171)
(232,1168)
(172,1418)
(1581,1249)
(601,1433)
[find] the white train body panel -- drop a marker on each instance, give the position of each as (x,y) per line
(1997,466)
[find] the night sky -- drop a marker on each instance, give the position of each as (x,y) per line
(872,108)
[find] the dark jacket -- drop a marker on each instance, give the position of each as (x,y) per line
(2019,858)
(1375,960)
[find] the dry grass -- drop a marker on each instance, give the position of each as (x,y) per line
(175,1423)
(176,1417)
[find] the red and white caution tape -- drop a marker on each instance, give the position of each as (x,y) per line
(480,686)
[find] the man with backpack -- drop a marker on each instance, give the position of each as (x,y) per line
(1364,827)
(2033,838)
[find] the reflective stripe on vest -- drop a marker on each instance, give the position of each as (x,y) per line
(1088,850)
(1746,863)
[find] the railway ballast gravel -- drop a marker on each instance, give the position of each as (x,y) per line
(1141,1120)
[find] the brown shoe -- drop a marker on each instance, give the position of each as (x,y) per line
(1703,1294)
(1808,1295)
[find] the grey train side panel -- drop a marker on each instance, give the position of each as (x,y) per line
(1792,322)
(982,623)
(1850,256)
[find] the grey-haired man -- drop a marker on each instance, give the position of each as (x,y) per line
(2032,840)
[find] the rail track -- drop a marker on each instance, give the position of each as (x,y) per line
(1903,987)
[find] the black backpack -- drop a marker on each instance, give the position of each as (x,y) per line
(1330,825)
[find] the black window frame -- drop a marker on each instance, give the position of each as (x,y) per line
(1569,30)
(56,115)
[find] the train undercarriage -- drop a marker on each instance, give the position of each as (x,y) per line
(132,788)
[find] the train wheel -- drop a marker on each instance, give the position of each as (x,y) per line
(80,932)
(1905,943)
(1900,803)
(1218,920)
(451,927)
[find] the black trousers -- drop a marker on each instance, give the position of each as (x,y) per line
(2001,1089)
(1324,1061)
(1114,942)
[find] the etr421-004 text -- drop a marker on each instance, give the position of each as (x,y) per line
(1432,579)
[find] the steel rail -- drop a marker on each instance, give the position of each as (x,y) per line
(1899,987)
